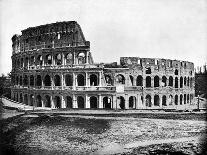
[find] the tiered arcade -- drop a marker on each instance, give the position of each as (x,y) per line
(52,67)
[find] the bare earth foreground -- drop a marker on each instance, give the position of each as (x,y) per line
(58,132)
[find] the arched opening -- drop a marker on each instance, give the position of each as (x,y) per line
(120,79)
(176,72)
(69,58)
(47,80)
(31,80)
(31,99)
(17,80)
(164,100)
(20,80)
(181,82)
(156,81)
(170,100)
(181,99)
(39,60)
(107,102)
(176,99)
(156,100)
(188,98)
(81,80)
(57,102)
(80,101)
(32,60)
(108,80)
(185,81)
(184,98)
(139,80)
(25,81)
(176,82)
(17,97)
(18,63)
(26,62)
(58,59)
(69,80)
(148,81)
(148,101)
(39,101)
(171,81)
(38,80)
(132,102)
(164,81)
(22,62)
(131,79)
(93,102)
(81,58)
(69,102)
(148,70)
(188,81)
(122,102)
(47,101)
(25,99)
(57,80)
(93,80)
(48,59)
(191,82)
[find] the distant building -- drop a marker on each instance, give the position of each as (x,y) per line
(52,66)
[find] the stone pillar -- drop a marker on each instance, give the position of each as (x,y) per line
(62,80)
(87,102)
(28,99)
(86,57)
(152,82)
(100,75)
(126,101)
(63,59)
(42,102)
(144,102)
(87,80)
(138,102)
(160,96)
(52,102)
(152,100)
(52,81)
(114,103)
(53,59)
(63,102)
(100,101)
(74,58)
(75,102)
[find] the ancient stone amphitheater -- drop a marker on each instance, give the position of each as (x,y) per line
(52,66)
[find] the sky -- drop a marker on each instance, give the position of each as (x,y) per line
(170,29)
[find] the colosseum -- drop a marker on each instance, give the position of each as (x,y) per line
(52,66)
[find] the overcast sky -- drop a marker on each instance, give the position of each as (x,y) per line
(174,29)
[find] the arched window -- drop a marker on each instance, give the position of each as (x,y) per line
(58,59)
(176,99)
(38,80)
(69,102)
(156,81)
(148,101)
(47,80)
(176,82)
(176,72)
(139,80)
(26,61)
(164,81)
(120,79)
(171,81)
(69,58)
(181,82)
(80,101)
(170,100)
(31,100)
(184,98)
(191,82)
(17,80)
(25,81)
(57,80)
(81,58)
(93,80)
(107,102)
(188,98)
(132,102)
(181,99)
(81,80)
(22,62)
(93,102)
(39,60)
(57,102)
(164,100)
(32,60)
(25,99)
(47,101)
(31,80)
(48,59)
(108,80)
(39,101)
(69,80)
(122,102)
(156,100)
(148,81)
(20,81)
(185,81)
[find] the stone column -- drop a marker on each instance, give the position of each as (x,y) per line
(86,57)
(152,82)
(42,102)
(114,103)
(63,59)
(138,102)
(75,102)
(52,102)
(160,96)
(74,58)
(63,102)
(100,101)
(100,79)
(62,81)
(29,101)
(87,80)
(152,100)
(52,81)
(126,101)
(87,102)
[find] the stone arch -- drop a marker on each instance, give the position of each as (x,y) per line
(26,99)
(176,82)
(176,72)
(48,59)
(171,81)
(164,100)
(176,99)
(47,101)
(156,81)
(164,81)
(81,58)
(108,79)
(39,101)
(69,102)
(132,102)
(120,79)
(184,98)
(57,102)
(93,102)
(131,79)
(69,58)
(93,80)
(58,59)
(181,82)
(80,101)
(181,99)
(122,102)
(57,80)
(31,80)
(139,80)
(107,102)
(47,80)
(38,80)
(156,100)
(81,80)
(68,80)
(148,81)
(148,100)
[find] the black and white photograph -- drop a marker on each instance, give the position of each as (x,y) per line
(103,77)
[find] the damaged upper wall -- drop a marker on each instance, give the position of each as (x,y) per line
(61,33)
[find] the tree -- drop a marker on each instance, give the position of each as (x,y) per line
(5,83)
